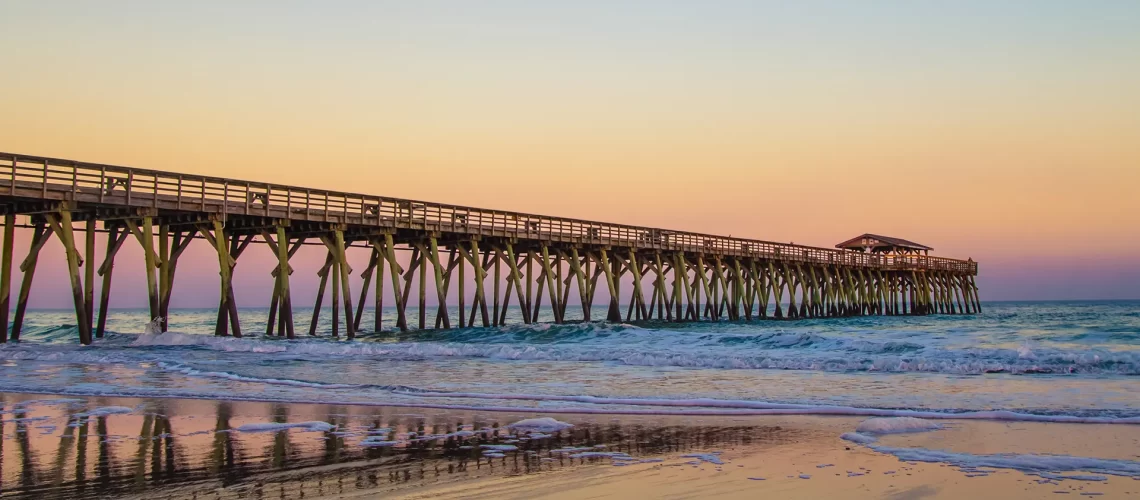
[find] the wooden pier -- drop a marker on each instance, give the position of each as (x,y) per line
(675,275)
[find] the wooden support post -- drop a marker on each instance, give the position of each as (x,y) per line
(323,273)
(367,275)
(680,275)
(977,298)
(516,279)
(498,257)
(378,321)
(637,294)
(224,270)
(148,251)
(62,225)
(453,259)
(583,291)
(549,274)
(344,273)
(614,313)
(440,290)
(422,289)
(115,238)
(40,235)
(283,271)
(163,270)
(480,276)
(529,283)
(89,273)
(6,274)
(389,247)
(335,271)
(462,283)
(738,297)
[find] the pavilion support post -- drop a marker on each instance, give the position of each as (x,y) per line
(40,235)
(62,224)
(6,274)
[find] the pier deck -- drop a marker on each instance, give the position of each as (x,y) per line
(688,276)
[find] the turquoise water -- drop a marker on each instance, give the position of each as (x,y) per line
(1046,360)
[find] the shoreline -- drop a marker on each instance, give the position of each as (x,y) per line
(230,448)
(699,407)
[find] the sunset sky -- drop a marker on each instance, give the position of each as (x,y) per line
(1008,132)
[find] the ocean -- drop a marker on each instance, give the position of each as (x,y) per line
(1039,361)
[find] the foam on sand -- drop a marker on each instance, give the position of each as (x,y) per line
(895,425)
(544,424)
(104,411)
(1047,466)
(1044,465)
(313,426)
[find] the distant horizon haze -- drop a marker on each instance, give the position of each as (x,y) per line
(1004,132)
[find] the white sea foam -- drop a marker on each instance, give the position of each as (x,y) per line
(314,426)
(895,425)
(855,437)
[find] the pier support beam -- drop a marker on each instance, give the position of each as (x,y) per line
(6,274)
(61,223)
(116,236)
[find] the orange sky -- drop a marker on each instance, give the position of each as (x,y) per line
(1001,133)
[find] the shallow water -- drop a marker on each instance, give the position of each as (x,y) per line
(1051,361)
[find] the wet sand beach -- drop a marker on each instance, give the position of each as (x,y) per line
(180,448)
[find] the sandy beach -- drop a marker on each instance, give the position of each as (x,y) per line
(178,448)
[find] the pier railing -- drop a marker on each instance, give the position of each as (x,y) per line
(36,177)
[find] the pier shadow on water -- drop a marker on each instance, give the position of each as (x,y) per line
(173,448)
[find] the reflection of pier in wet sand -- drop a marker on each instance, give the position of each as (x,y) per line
(69,448)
